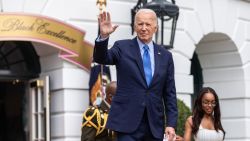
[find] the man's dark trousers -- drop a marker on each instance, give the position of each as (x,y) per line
(142,133)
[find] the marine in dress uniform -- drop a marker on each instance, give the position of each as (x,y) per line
(95,118)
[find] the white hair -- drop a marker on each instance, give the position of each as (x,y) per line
(144,10)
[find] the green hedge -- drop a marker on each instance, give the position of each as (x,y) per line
(183,113)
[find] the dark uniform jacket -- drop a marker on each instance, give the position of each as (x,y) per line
(94,123)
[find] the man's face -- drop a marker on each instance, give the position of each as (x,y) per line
(110,92)
(145,26)
(109,97)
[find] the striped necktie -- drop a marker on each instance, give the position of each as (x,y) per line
(147,64)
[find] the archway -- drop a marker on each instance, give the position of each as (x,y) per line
(220,61)
(18,63)
(222,69)
(196,72)
(18,60)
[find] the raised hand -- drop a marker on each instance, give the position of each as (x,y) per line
(106,27)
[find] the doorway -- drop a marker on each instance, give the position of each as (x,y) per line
(13,119)
(19,63)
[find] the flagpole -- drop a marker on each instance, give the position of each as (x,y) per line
(102,7)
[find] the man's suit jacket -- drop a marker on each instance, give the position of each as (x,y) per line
(133,95)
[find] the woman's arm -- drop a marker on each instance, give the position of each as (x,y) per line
(188,129)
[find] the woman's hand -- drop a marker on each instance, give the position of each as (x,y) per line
(179,138)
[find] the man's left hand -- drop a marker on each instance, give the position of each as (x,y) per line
(170,133)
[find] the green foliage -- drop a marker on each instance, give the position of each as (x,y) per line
(183,113)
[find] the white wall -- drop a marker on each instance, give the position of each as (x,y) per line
(224,56)
(218,31)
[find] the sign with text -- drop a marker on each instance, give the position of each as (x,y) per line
(37,28)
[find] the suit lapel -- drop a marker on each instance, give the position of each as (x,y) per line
(157,55)
(137,54)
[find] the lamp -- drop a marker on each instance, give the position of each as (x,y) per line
(165,11)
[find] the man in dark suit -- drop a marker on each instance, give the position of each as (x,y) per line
(145,81)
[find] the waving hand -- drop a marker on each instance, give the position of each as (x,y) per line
(106,27)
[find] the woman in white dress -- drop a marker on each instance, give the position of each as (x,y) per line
(205,123)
